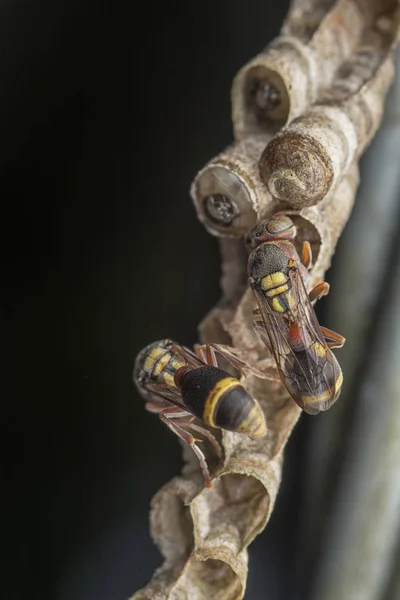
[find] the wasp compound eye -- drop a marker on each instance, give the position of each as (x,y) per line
(280,224)
(279,227)
(220,209)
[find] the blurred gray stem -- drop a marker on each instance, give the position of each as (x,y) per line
(365,526)
(360,267)
(357,552)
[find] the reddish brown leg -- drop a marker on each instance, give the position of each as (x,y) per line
(200,352)
(209,436)
(306,255)
(235,361)
(156,406)
(333,339)
(206,353)
(321,289)
(169,417)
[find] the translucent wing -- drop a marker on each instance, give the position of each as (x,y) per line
(310,375)
(155,390)
(304,308)
(325,375)
(185,355)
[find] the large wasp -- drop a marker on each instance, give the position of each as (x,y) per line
(285,318)
(179,385)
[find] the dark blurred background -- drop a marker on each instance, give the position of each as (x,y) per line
(107,112)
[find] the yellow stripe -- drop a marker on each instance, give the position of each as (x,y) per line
(273,280)
(177,364)
(254,423)
(276,305)
(318,349)
(215,394)
(152,358)
(161,364)
(278,290)
(325,395)
(260,430)
(169,379)
(291,299)
(339,381)
(314,399)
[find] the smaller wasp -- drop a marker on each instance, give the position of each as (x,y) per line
(285,317)
(180,385)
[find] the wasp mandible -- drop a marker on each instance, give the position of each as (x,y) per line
(179,385)
(285,317)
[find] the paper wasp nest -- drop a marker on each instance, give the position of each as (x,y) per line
(328,97)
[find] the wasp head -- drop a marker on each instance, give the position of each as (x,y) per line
(278,227)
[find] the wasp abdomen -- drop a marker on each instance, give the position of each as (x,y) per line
(200,386)
(238,411)
(221,401)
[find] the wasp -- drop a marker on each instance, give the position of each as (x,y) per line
(285,318)
(180,385)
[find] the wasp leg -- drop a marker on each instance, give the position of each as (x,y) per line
(306,255)
(333,339)
(235,361)
(199,352)
(321,289)
(256,312)
(206,353)
(158,405)
(168,416)
(208,435)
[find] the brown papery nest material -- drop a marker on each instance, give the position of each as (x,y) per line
(284,79)
(203,534)
(234,174)
(306,160)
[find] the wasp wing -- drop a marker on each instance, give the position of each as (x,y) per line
(307,375)
(289,365)
(155,391)
(321,362)
(186,355)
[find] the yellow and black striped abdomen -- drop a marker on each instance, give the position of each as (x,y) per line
(157,363)
(277,288)
(314,378)
(221,401)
